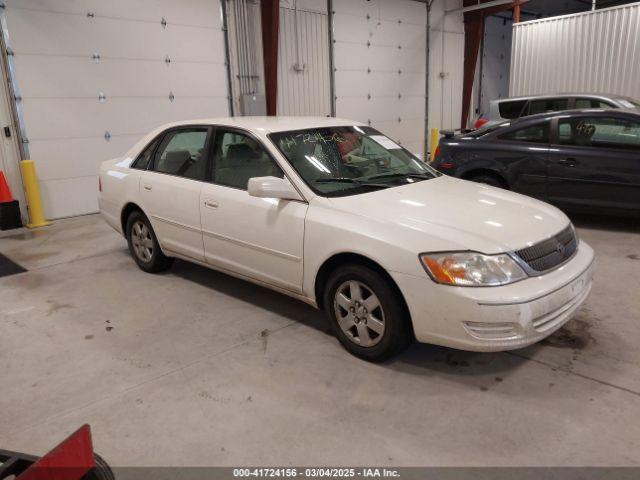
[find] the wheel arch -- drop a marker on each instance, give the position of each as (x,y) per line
(127,210)
(469,174)
(343,258)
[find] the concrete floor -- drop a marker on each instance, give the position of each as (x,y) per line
(193,367)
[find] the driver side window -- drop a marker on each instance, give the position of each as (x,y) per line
(239,157)
(183,153)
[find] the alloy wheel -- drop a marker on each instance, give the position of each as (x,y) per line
(142,241)
(359,313)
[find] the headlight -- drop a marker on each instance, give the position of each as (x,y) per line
(471,269)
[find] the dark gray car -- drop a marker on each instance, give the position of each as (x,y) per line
(575,159)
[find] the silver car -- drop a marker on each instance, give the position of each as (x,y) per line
(509,108)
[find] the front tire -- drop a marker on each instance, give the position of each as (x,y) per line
(366,313)
(144,246)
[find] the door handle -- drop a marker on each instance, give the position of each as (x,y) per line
(569,162)
(211,204)
(147,187)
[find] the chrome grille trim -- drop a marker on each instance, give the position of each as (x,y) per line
(550,253)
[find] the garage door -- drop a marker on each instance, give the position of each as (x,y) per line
(379,61)
(96,75)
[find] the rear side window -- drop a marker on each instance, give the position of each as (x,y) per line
(548,105)
(600,132)
(142,162)
(591,103)
(511,109)
(538,133)
(182,153)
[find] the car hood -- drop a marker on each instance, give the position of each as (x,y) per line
(458,215)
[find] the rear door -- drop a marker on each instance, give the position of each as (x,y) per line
(170,189)
(523,152)
(595,161)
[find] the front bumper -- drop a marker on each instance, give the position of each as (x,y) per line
(498,318)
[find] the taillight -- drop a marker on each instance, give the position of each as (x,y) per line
(99,184)
(436,154)
(480,122)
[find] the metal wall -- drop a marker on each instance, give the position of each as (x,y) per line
(97,75)
(596,51)
(380,66)
(446,64)
(303,59)
(493,67)
(246,67)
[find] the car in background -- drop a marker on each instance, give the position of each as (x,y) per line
(517,107)
(338,215)
(581,159)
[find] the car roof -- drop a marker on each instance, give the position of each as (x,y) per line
(523,121)
(610,111)
(268,124)
(603,96)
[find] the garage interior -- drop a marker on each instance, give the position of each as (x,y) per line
(195,368)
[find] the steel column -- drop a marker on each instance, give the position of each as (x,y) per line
(270,10)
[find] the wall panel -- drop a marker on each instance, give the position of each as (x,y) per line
(446,65)
(303,41)
(380,66)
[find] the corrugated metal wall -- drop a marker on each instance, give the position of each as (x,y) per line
(303,59)
(588,52)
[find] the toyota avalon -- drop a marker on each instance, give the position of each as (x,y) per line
(338,215)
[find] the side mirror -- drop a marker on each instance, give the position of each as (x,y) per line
(272,187)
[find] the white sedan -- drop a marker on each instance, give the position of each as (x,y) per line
(336,214)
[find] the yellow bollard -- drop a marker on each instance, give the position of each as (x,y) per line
(433,143)
(32,192)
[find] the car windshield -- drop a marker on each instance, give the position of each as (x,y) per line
(629,102)
(338,161)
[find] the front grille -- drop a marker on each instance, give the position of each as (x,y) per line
(551,252)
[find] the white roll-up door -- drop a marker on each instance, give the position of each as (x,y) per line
(303,59)
(380,66)
(96,75)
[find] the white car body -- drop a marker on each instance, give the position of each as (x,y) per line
(283,244)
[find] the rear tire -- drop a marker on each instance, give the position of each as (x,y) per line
(143,244)
(101,470)
(488,180)
(366,313)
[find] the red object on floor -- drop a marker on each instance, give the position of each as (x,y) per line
(5,193)
(70,460)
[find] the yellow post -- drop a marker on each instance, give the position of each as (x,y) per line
(433,143)
(32,192)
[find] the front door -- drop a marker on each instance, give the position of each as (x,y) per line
(595,162)
(170,190)
(261,238)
